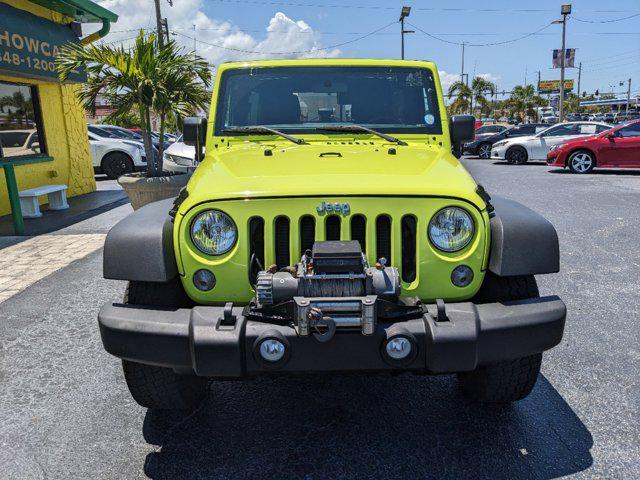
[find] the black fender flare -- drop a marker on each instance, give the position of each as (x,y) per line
(523,242)
(140,246)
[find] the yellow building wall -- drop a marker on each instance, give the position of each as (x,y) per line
(65,130)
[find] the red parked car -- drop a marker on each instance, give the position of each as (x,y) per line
(618,147)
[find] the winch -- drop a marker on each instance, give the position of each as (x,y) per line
(332,287)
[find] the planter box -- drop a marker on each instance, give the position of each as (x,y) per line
(142,190)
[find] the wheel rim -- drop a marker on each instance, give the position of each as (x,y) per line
(485,151)
(581,162)
(517,155)
(117,166)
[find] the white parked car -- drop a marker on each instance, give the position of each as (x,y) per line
(19,142)
(519,150)
(179,157)
(115,157)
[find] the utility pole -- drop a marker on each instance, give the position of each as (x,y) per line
(538,85)
(462,69)
(564,10)
(579,76)
(159,29)
(404,13)
(194,44)
(628,96)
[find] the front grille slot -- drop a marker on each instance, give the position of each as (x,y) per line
(409,226)
(256,247)
(383,238)
(281,242)
(359,230)
(332,228)
(307,233)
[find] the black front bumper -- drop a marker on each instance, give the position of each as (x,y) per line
(203,341)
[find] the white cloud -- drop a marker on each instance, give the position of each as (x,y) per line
(447,79)
(294,38)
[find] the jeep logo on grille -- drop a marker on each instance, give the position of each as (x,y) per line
(335,207)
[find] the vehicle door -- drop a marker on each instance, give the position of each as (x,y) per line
(548,138)
(625,146)
(96,149)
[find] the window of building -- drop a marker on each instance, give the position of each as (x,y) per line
(21,132)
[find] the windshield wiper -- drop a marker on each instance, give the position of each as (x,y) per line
(352,127)
(263,129)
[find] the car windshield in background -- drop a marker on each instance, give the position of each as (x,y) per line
(301,99)
(13,139)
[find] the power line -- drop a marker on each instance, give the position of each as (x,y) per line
(621,54)
(379,7)
(605,21)
(290,53)
(480,44)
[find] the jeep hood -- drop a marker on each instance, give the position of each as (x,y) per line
(330,169)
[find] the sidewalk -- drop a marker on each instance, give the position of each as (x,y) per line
(58,239)
(108,196)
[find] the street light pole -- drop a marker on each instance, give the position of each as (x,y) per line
(404,13)
(565,10)
(628,96)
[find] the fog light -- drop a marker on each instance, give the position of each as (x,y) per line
(398,348)
(272,350)
(461,276)
(204,280)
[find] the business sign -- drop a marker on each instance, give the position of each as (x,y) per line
(553,86)
(569,58)
(29,45)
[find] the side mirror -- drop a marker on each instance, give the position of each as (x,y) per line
(611,136)
(462,128)
(194,132)
(35,146)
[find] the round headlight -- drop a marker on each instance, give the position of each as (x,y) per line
(213,232)
(451,229)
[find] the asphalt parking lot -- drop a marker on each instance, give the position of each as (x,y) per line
(66,412)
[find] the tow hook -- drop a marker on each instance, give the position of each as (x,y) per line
(317,320)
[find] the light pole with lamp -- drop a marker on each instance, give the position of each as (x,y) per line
(404,13)
(564,10)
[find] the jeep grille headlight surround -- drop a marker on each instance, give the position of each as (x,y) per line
(213,232)
(451,229)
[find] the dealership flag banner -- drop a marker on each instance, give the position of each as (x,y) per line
(569,58)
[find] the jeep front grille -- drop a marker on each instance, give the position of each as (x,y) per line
(304,231)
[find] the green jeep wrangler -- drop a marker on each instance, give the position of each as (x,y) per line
(330,228)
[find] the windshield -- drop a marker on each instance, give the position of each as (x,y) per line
(300,99)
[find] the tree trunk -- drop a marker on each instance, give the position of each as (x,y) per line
(148,146)
(161,146)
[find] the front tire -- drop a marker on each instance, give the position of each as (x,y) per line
(581,161)
(503,382)
(484,150)
(158,387)
(510,381)
(161,388)
(517,155)
(116,164)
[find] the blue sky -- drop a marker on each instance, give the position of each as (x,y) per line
(610,52)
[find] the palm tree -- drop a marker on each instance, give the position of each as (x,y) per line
(523,101)
(19,109)
(463,95)
(149,77)
(479,87)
